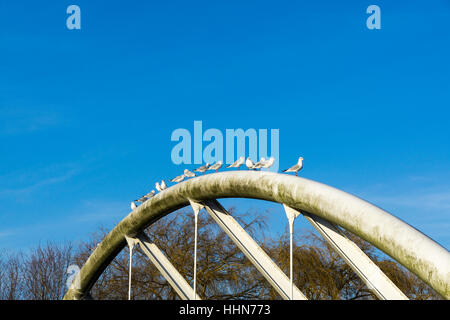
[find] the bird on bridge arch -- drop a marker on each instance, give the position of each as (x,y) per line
(188,173)
(202,169)
(160,186)
(216,166)
(268,163)
(260,163)
(150,194)
(297,167)
(142,199)
(249,163)
(178,179)
(238,163)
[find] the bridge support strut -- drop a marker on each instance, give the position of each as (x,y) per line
(363,266)
(273,274)
(168,271)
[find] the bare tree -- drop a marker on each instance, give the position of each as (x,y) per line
(11,284)
(44,272)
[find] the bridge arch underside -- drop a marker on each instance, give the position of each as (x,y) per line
(411,248)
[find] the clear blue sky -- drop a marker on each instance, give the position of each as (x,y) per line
(86,115)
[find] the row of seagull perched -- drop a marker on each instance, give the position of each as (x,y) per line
(262,163)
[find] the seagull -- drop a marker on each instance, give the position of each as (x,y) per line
(239,162)
(260,163)
(142,199)
(133,205)
(297,167)
(216,166)
(163,185)
(249,163)
(188,173)
(178,179)
(268,163)
(158,187)
(150,194)
(203,168)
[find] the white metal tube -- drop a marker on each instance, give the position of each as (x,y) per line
(291,231)
(129,272)
(195,255)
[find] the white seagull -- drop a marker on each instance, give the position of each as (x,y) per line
(133,205)
(158,187)
(267,164)
(297,167)
(260,163)
(249,163)
(238,163)
(216,166)
(178,179)
(188,173)
(203,168)
(150,194)
(163,185)
(142,199)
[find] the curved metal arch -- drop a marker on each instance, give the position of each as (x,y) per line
(411,248)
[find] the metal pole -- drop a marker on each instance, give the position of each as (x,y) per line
(291,214)
(195,254)
(129,272)
(131,243)
(291,229)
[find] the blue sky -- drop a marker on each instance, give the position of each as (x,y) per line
(86,115)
